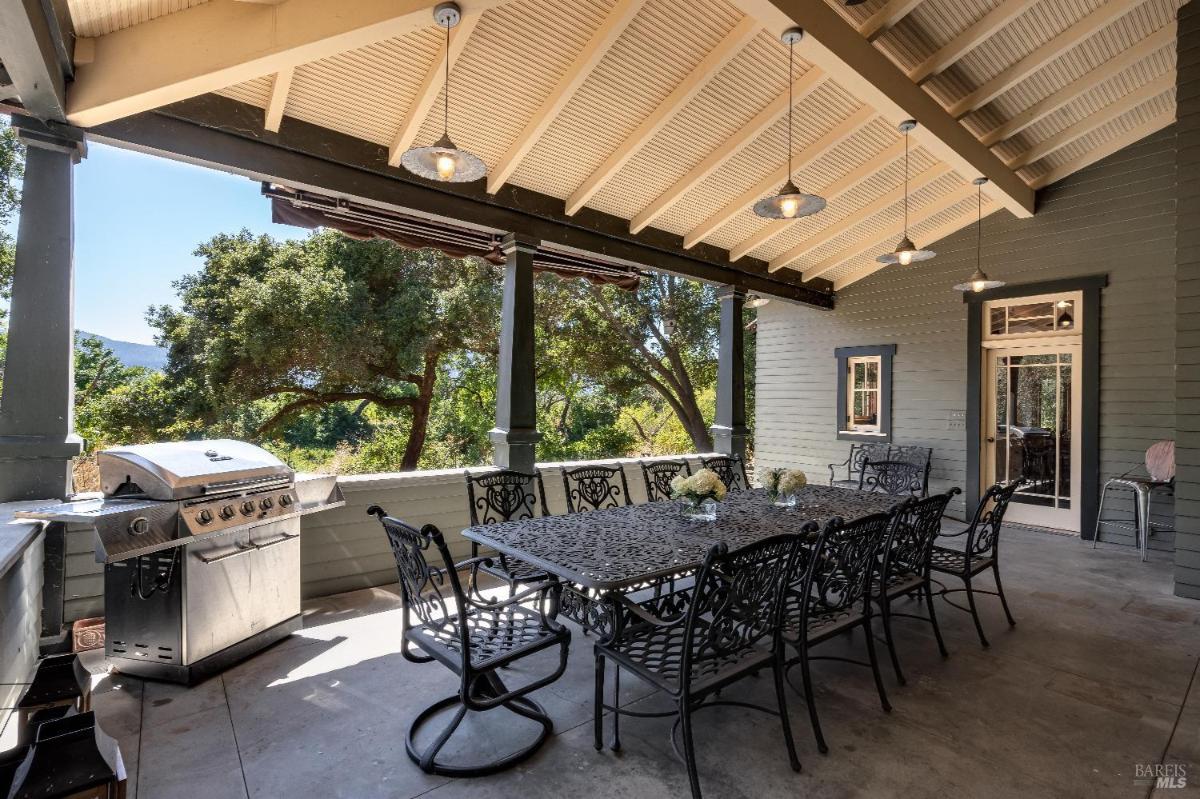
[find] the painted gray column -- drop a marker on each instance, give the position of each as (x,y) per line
(515,436)
(37,434)
(729,432)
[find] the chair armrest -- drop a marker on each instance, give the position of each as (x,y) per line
(623,603)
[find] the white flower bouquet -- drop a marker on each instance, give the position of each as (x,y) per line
(783,484)
(699,493)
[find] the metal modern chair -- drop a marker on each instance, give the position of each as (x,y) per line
(1160,477)
(728,628)
(894,478)
(980,553)
(859,454)
(730,468)
(658,476)
(834,597)
(473,638)
(595,488)
(505,496)
(904,566)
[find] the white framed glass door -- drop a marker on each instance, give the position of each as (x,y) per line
(1031,422)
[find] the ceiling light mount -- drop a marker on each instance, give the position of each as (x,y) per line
(979,281)
(906,251)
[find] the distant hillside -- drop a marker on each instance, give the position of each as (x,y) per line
(132,354)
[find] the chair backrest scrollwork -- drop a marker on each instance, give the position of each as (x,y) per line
(658,476)
(730,469)
(894,478)
(595,488)
(983,536)
(910,542)
(505,496)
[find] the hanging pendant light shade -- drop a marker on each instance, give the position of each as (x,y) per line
(442,160)
(789,202)
(979,281)
(906,252)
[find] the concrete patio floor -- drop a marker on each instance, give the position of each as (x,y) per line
(1093,681)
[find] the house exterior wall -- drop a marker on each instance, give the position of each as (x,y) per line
(1116,217)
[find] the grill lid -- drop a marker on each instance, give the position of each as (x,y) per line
(186,469)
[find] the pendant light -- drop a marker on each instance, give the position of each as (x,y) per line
(979,281)
(789,202)
(441,160)
(906,252)
(756,301)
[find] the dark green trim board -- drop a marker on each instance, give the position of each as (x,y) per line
(1089,379)
(887,353)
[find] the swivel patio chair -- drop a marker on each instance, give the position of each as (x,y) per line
(730,468)
(894,478)
(834,597)
(727,629)
(595,488)
(904,567)
(474,638)
(658,476)
(506,496)
(980,553)
(859,454)
(1160,478)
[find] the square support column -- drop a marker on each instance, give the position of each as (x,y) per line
(37,433)
(515,436)
(729,432)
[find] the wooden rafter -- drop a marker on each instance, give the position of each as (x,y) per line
(805,85)
(840,132)
(937,234)
(1043,108)
(849,222)
(891,232)
(1115,144)
(588,59)
(830,193)
(280,87)
(684,93)
(1124,105)
(177,56)
(1022,69)
(973,36)
(887,17)
(431,86)
(862,70)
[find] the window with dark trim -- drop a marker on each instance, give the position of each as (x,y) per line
(864,393)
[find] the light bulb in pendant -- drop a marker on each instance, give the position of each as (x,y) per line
(446,166)
(788,207)
(978,285)
(905,257)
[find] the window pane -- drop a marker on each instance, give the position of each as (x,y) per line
(1033,310)
(1029,360)
(872,374)
(997,321)
(1064,315)
(871,408)
(860,374)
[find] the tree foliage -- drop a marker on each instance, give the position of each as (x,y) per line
(12,166)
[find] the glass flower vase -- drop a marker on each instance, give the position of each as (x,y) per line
(702,510)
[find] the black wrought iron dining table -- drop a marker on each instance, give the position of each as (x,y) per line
(640,547)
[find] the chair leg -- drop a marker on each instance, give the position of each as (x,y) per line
(885,607)
(598,710)
(1000,590)
(1142,499)
(937,630)
(616,741)
(1099,517)
(783,714)
(810,698)
(689,748)
(883,700)
(975,612)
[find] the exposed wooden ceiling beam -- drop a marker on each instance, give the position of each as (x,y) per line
(887,17)
(1161,38)
(937,234)
(431,86)
(891,233)
(1104,150)
(684,93)
(588,59)
(1022,69)
(803,86)
(971,37)
(1149,91)
(852,220)
(857,66)
(278,99)
(842,131)
(221,42)
(29,51)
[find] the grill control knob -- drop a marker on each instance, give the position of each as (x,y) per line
(248,508)
(205,516)
(139,526)
(285,500)
(267,503)
(228,512)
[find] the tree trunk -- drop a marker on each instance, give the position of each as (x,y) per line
(420,414)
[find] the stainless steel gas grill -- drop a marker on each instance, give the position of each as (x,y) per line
(200,542)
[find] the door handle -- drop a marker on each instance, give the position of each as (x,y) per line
(991,440)
(275,541)
(242,549)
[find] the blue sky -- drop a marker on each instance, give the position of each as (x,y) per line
(137,220)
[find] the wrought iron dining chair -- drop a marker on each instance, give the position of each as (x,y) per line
(894,478)
(904,566)
(859,454)
(730,468)
(980,553)
(472,637)
(595,488)
(727,628)
(919,457)
(506,496)
(834,597)
(658,476)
